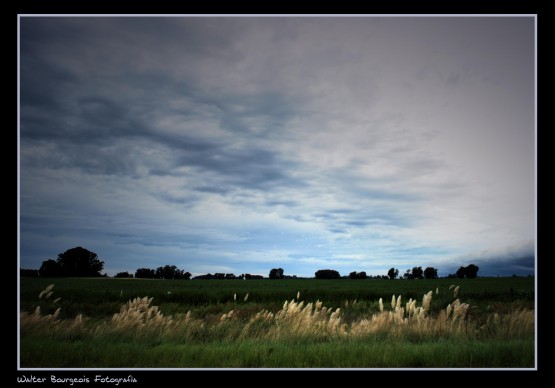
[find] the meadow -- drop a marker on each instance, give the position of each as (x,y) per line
(292,323)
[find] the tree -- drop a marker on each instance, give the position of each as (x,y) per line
(471,271)
(430,273)
(276,273)
(80,262)
(123,275)
(29,273)
(392,273)
(145,273)
(50,269)
(357,275)
(461,272)
(171,272)
(327,274)
(208,276)
(417,273)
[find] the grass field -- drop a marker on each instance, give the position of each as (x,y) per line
(89,323)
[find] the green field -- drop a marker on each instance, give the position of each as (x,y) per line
(213,323)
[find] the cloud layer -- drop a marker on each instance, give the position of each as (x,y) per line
(238,144)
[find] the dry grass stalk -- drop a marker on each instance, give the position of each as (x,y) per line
(139,314)
(426,301)
(46,291)
(228,316)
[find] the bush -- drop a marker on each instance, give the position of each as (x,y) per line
(327,274)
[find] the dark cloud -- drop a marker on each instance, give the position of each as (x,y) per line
(502,266)
(98,123)
(516,259)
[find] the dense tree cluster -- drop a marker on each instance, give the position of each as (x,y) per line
(248,276)
(29,273)
(171,272)
(430,273)
(165,272)
(145,273)
(276,273)
(327,274)
(227,276)
(123,275)
(416,273)
(469,272)
(358,275)
(76,262)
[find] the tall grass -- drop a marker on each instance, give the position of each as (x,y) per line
(138,319)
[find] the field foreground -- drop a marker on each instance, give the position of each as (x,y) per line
(113,323)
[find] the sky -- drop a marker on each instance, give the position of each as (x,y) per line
(242,144)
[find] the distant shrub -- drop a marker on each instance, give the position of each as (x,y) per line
(327,274)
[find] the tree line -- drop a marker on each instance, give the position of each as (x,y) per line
(80,262)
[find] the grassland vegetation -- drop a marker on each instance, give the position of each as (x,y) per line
(290,323)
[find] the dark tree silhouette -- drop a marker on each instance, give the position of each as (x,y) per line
(430,273)
(123,275)
(357,275)
(392,273)
(166,272)
(276,273)
(417,273)
(171,272)
(461,272)
(50,269)
(80,262)
(471,271)
(145,273)
(29,273)
(327,274)
(208,276)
